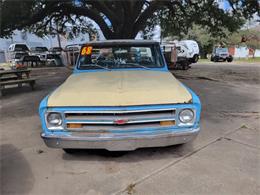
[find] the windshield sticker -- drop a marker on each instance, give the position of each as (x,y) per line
(86,51)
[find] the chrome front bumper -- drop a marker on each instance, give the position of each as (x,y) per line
(121,142)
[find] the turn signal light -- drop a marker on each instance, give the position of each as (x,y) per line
(74,125)
(167,123)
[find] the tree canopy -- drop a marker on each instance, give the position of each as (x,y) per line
(122,19)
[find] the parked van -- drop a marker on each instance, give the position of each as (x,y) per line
(18,47)
(16,51)
(187,53)
(193,50)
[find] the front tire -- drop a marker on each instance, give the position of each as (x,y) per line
(185,65)
(230,59)
(195,58)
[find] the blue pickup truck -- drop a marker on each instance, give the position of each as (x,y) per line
(120,97)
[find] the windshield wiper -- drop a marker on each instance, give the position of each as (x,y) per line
(137,65)
(99,66)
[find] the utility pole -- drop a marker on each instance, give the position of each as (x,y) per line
(58,38)
(58,34)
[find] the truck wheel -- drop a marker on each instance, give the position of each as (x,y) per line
(185,67)
(51,63)
(177,66)
(215,59)
(229,59)
(195,58)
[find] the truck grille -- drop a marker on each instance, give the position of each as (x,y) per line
(105,121)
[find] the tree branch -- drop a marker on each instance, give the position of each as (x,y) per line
(41,14)
(102,7)
(146,14)
(90,13)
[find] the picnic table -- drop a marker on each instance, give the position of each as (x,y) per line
(15,77)
(16,73)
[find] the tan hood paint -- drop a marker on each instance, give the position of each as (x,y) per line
(119,88)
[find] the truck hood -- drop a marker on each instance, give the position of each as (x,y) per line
(119,88)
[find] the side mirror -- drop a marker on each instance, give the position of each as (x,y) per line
(173,55)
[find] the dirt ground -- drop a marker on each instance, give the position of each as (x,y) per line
(223,159)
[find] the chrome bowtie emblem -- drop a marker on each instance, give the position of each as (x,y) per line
(120,121)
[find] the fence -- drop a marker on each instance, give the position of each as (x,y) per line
(244,52)
(2,57)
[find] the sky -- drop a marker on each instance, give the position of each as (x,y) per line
(223,4)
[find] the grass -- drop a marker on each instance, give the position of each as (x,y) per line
(247,60)
(204,60)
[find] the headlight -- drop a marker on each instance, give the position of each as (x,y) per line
(54,120)
(186,116)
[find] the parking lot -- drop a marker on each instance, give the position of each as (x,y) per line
(223,159)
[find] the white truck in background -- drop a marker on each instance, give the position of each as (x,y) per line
(187,53)
(16,51)
(193,50)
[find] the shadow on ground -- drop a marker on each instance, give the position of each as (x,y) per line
(16,173)
(141,154)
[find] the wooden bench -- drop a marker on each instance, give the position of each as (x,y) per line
(7,78)
(19,82)
(18,73)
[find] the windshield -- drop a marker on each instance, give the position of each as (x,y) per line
(221,50)
(21,47)
(117,57)
(40,49)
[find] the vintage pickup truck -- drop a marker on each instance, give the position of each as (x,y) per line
(121,98)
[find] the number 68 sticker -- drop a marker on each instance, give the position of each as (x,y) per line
(86,50)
